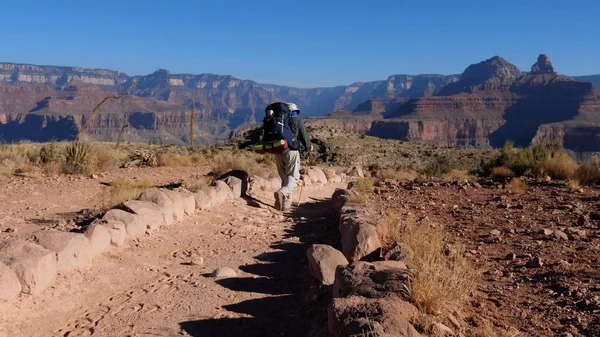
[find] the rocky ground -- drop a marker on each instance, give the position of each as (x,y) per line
(537,250)
(163,284)
(60,201)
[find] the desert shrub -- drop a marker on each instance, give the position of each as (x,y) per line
(104,158)
(517,185)
(530,161)
(77,158)
(50,153)
(560,166)
(443,278)
(121,190)
(144,158)
(588,174)
(438,167)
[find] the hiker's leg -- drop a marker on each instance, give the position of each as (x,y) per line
(280,161)
(293,173)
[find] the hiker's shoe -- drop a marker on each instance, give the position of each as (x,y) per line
(279,201)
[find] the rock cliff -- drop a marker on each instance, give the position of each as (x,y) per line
(493,102)
(163,101)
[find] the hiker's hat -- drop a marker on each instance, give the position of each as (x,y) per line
(293,107)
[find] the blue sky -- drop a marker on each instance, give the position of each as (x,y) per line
(302,43)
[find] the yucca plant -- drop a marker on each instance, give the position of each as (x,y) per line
(76,157)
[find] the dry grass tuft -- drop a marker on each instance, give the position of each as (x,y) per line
(588,174)
(443,278)
(174,160)
(573,184)
(121,190)
(360,190)
(517,185)
(502,172)
(460,175)
(396,174)
(560,166)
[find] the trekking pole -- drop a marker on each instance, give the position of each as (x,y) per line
(300,196)
(301,188)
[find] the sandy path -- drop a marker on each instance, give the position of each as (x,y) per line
(150,288)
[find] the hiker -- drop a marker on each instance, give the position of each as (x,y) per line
(286,133)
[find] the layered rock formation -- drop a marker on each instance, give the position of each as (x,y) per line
(44,102)
(493,102)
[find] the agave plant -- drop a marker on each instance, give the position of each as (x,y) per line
(77,157)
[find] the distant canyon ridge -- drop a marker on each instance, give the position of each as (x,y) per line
(488,103)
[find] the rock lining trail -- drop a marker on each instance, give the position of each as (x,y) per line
(161,284)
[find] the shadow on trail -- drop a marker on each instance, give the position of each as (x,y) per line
(297,305)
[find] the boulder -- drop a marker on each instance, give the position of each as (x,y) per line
(316,175)
(116,230)
(150,215)
(161,199)
(306,180)
(235,184)
(323,261)
(188,199)
(359,316)
(359,236)
(177,200)
(10,287)
(133,224)
(329,173)
(72,249)
(256,184)
(357,171)
(242,176)
(222,192)
(34,266)
(371,281)
(203,200)
(99,238)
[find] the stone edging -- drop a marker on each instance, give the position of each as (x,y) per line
(368,298)
(31,267)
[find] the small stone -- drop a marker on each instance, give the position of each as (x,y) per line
(547,232)
(511,256)
(197,261)
(224,272)
(583,221)
(536,262)
(495,232)
(560,235)
(94,176)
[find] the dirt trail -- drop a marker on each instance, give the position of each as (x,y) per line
(159,285)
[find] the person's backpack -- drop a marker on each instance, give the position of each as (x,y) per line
(277,133)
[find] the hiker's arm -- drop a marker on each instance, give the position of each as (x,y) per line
(303,135)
